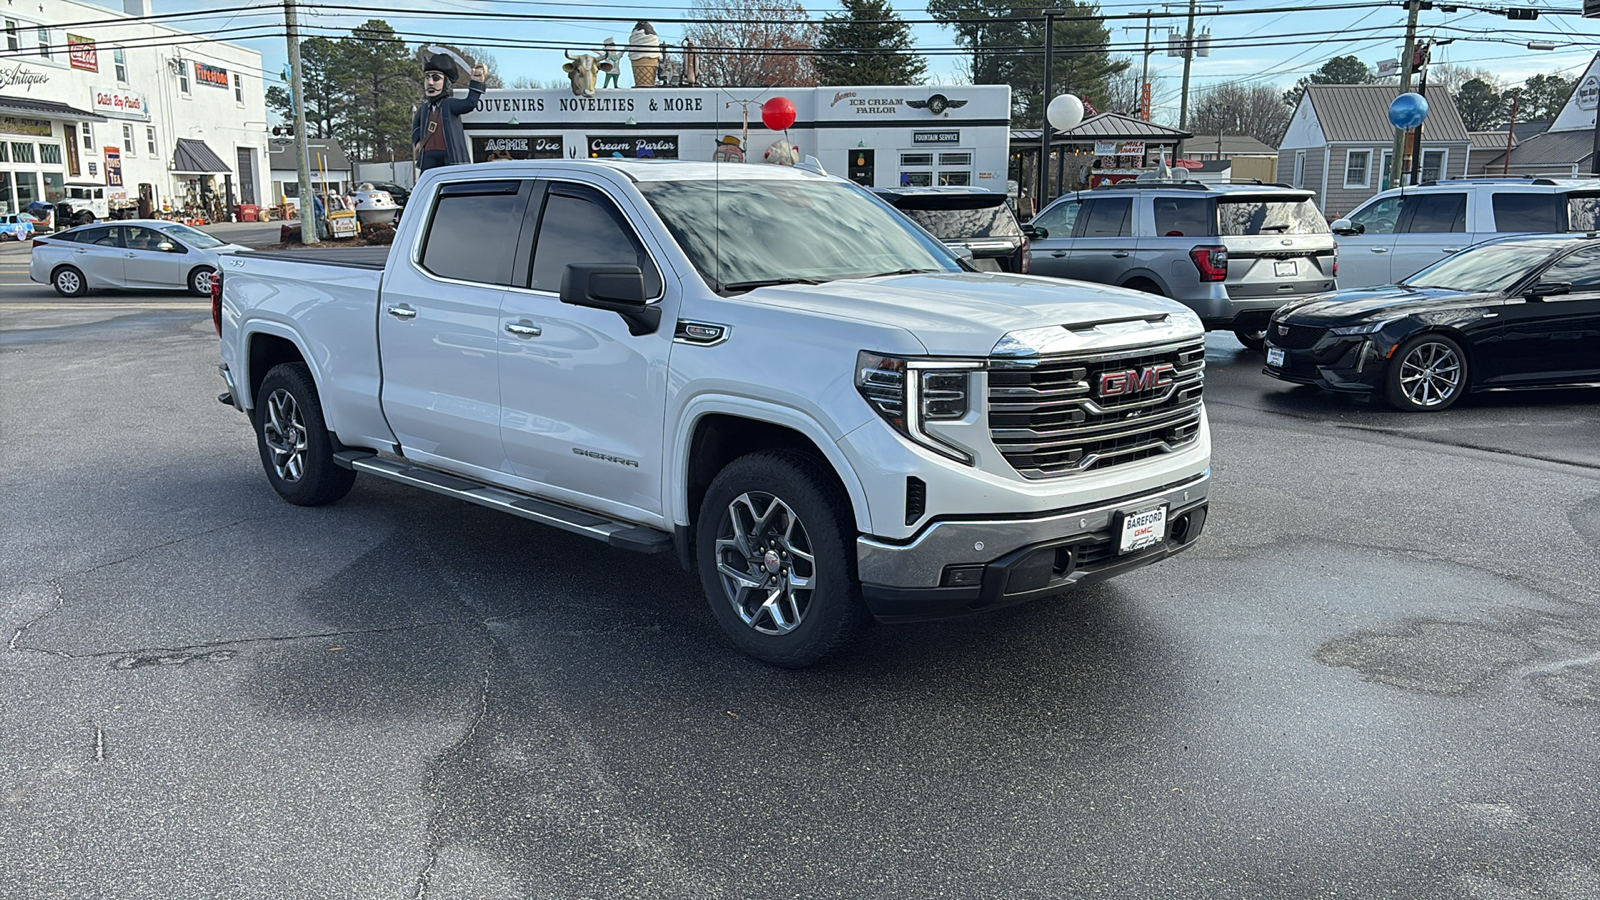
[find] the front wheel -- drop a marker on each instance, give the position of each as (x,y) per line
(775,545)
(296,448)
(1255,341)
(69,282)
(1427,374)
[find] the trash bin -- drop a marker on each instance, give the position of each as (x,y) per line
(249,212)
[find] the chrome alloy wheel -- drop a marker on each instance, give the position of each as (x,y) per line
(1430,374)
(765,559)
(68,281)
(285,435)
(200,281)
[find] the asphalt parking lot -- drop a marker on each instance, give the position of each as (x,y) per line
(1378,675)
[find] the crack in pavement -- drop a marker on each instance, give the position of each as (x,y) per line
(435,773)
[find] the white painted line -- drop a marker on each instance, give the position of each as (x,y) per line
(197,306)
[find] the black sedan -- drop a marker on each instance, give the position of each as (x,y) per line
(1518,313)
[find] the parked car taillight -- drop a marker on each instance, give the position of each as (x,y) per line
(1027,263)
(39,242)
(1212,262)
(216,302)
(1336,260)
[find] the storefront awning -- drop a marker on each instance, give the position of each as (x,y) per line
(194,158)
(47,109)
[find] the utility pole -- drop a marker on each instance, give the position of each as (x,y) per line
(1183,101)
(1144,77)
(1041,195)
(308,215)
(1397,161)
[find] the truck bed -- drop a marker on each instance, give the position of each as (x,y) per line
(345,257)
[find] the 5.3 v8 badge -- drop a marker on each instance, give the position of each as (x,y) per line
(1135,381)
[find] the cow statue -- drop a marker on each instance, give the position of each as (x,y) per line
(584,71)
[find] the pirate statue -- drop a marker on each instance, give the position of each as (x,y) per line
(436,133)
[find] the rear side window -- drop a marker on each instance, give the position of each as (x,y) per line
(1182,217)
(1253,216)
(952,224)
(1526,212)
(1580,269)
(105,237)
(1583,212)
(474,231)
(1435,213)
(582,225)
(1106,217)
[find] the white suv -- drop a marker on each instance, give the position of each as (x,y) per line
(1406,229)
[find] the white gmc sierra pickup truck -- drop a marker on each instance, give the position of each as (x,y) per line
(824,411)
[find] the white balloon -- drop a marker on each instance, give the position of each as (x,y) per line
(1065,112)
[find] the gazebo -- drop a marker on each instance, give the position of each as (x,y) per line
(1104,149)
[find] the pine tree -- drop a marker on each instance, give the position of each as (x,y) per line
(867,44)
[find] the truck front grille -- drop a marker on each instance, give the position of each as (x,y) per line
(1061,415)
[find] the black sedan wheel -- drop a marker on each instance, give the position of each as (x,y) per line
(1427,374)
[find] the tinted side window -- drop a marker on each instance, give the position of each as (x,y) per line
(1581,270)
(474,231)
(1379,217)
(1059,219)
(104,237)
(582,225)
(1106,217)
(1182,216)
(1526,212)
(1583,212)
(1436,213)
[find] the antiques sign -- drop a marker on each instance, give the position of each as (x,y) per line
(21,75)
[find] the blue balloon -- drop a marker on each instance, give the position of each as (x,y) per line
(1407,111)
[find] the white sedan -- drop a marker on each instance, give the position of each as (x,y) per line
(144,254)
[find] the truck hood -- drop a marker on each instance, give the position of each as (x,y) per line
(970,313)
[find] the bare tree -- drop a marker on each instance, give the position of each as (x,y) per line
(526,83)
(1229,108)
(1451,76)
(754,44)
(1122,92)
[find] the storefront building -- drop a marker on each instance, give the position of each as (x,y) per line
(902,136)
(134,114)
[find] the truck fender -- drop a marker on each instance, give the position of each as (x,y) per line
(246,380)
(760,411)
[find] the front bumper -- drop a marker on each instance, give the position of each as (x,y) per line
(1353,365)
(962,566)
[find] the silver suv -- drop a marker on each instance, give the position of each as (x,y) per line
(1233,253)
(1404,230)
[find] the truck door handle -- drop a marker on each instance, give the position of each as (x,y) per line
(1380,249)
(1450,250)
(1119,254)
(402,311)
(128,255)
(524,328)
(1058,253)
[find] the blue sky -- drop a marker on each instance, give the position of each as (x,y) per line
(1271,44)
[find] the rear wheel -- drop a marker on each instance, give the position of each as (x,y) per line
(775,546)
(200,281)
(1252,340)
(296,448)
(69,282)
(1427,374)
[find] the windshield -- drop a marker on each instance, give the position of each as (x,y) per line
(1250,216)
(955,224)
(740,234)
(1482,269)
(192,236)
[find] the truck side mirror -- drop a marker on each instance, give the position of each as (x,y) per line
(1345,227)
(615,287)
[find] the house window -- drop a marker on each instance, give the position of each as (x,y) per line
(50,154)
(13,35)
(119,61)
(88,136)
(1299,168)
(44,42)
(21,153)
(238,88)
(1433,164)
(150,139)
(1383,170)
(183,77)
(1357,168)
(127,139)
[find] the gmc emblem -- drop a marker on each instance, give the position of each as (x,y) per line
(1136,381)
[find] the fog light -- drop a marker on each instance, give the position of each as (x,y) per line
(963,576)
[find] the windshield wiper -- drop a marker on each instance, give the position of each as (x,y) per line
(769,282)
(899,272)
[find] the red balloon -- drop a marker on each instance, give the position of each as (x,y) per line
(778,113)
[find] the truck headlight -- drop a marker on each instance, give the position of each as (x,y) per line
(910,392)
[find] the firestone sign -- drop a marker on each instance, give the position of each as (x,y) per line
(212,75)
(121,104)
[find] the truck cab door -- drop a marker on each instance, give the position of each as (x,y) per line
(439,321)
(1104,242)
(1432,226)
(582,399)
(1364,257)
(1048,255)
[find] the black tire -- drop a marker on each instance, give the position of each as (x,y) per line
(786,505)
(69,282)
(1255,341)
(200,281)
(1428,373)
(296,448)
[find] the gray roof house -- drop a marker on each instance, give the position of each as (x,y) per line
(1339,142)
(1565,149)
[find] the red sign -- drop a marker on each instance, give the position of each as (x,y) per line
(210,75)
(82,54)
(113,165)
(1144,101)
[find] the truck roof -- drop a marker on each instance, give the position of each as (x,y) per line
(646,169)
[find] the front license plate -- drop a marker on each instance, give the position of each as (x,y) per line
(1285,268)
(1275,357)
(1143,529)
